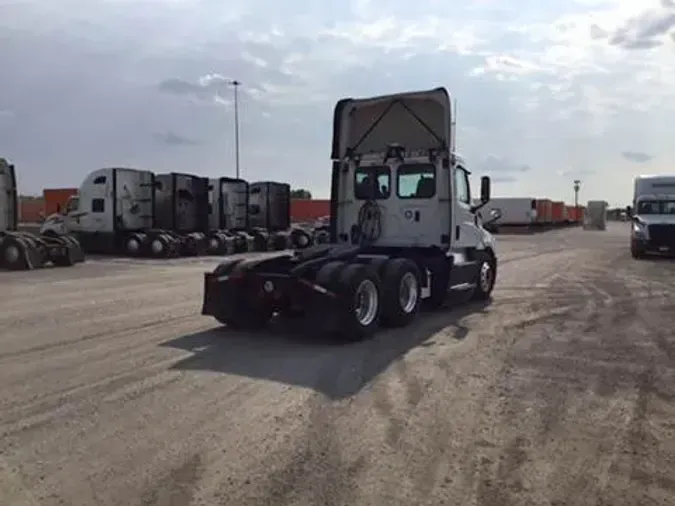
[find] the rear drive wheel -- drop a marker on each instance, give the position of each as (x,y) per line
(132,246)
(401,292)
(487,272)
(12,255)
(359,305)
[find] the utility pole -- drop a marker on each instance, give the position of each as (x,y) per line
(235,84)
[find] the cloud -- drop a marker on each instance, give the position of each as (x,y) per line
(636,156)
(542,87)
(171,138)
(209,88)
(499,165)
(644,30)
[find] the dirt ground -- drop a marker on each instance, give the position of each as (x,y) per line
(115,391)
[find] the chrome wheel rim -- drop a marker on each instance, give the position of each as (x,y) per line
(485,277)
(408,292)
(132,245)
(157,246)
(366,302)
(11,254)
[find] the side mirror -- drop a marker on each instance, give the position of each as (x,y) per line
(629,211)
(484,189)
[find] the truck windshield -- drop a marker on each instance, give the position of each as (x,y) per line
(372,182)
(656,207)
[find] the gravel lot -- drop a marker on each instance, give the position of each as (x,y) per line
(115,391)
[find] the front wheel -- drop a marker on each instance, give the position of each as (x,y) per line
(487,275)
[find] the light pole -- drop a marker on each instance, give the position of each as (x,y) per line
(235,84)
(577,185)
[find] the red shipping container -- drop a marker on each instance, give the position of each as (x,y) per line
(557,212)
(305,210)
(30,210)
(569,213)
(56,198)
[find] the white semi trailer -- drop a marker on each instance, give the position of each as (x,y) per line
(653,216)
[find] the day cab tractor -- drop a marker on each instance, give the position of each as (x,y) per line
(403,229)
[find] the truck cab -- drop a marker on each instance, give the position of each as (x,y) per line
(653,216)
(413,193)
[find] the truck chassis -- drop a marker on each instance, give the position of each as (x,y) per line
(26,251)
(343,290)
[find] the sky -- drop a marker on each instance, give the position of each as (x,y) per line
(547,92)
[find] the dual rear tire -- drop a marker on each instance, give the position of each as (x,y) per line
(367,297)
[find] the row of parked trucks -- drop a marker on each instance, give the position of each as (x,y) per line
(139,213)
(533,212)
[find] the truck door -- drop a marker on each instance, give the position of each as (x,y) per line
(94,206)
(9,219)
(422,215)
(464,235)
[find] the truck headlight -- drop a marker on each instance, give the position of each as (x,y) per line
(638,230)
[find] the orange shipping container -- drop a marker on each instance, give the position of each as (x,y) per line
(56,199)
(557,212)
(309,209)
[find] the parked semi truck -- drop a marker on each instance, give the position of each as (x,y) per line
(403,229)
(135,212)
(229,216)
(595,217)
(22,250)
(653,216)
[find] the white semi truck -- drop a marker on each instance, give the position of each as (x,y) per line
(403,229)
(595,217)
(138,213)
(23,250)
(653,216)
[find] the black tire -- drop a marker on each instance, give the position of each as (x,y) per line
(352,279)
(637,253)
(487,275)
(159,246)
(12,255)
(397,272)
(133,246)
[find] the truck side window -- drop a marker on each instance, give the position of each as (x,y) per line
(97,205)
(372,182)
(99,180)
(462,192)
(72,204)
(416,181)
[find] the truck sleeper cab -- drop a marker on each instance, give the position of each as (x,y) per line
(114,212)
(403,229)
